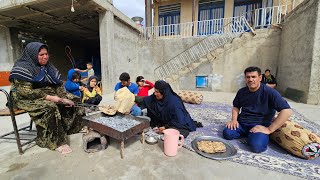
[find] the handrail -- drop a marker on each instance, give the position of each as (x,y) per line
(234,20)
(264,11)
(261,17)
(191,47)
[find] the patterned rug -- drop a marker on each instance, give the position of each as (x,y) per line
(214,117)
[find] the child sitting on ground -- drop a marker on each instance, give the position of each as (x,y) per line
(73,84)
(92,93)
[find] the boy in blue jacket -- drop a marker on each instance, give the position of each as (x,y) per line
(73,83)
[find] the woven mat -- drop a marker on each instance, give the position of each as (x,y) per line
(214,117)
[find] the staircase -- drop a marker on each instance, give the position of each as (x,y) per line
(191,58)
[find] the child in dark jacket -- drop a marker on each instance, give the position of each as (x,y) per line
(73,83)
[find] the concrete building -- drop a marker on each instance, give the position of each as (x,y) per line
(168,12)
(274,45)
(95,32)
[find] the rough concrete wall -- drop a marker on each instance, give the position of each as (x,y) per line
(125,52)
(188,81)
(296,53)
(261,50)
(142,57)
(314,89)
(225,73)
(154,53)
(6,59)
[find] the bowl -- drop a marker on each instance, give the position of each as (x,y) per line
(151,140)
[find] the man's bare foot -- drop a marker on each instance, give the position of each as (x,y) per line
(64,149)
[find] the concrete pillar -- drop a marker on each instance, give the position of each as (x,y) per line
(16,44)
(106,31)
(6,55)
(228,8)
(148,13)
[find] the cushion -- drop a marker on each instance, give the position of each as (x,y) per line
(191,97)
(297,140)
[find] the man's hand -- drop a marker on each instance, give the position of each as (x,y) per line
(68,102)
(261,129)
(233,125)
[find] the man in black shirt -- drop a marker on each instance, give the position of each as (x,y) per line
(253,111)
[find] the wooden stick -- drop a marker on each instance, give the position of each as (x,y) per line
(142,137)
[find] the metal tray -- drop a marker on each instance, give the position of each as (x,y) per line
(231,151)
(88,121)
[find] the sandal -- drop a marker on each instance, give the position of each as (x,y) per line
(64,149)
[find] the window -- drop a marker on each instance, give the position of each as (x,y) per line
(210,14)
(169,19)
(201,81)
(246,6)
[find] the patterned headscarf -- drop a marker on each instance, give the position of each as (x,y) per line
(27,68)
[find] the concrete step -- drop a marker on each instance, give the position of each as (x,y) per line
(219,51)
(184,71)
(169,80)
(175,77)
(202,60)
(194,65)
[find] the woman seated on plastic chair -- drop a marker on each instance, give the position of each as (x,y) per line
(165,108)
(37,88)
(92,93)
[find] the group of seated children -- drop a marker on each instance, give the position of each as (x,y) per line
(139,90)
(164,107)
(86,88)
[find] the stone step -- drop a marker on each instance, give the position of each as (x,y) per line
(194,65)
(202,60)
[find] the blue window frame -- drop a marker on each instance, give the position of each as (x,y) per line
(243,6)
(209,10)
(169,17)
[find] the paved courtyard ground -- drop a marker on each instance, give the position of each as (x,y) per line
(140,162)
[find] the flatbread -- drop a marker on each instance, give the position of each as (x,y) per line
(107,109)
(211,146)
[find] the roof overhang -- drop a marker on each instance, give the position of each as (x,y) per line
(53,17)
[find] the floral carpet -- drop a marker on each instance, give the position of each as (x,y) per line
(214,116)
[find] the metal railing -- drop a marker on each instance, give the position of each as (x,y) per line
(184,30)
(265,17)
(231,28)
(258,18)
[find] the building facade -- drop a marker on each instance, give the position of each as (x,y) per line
(168,12)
